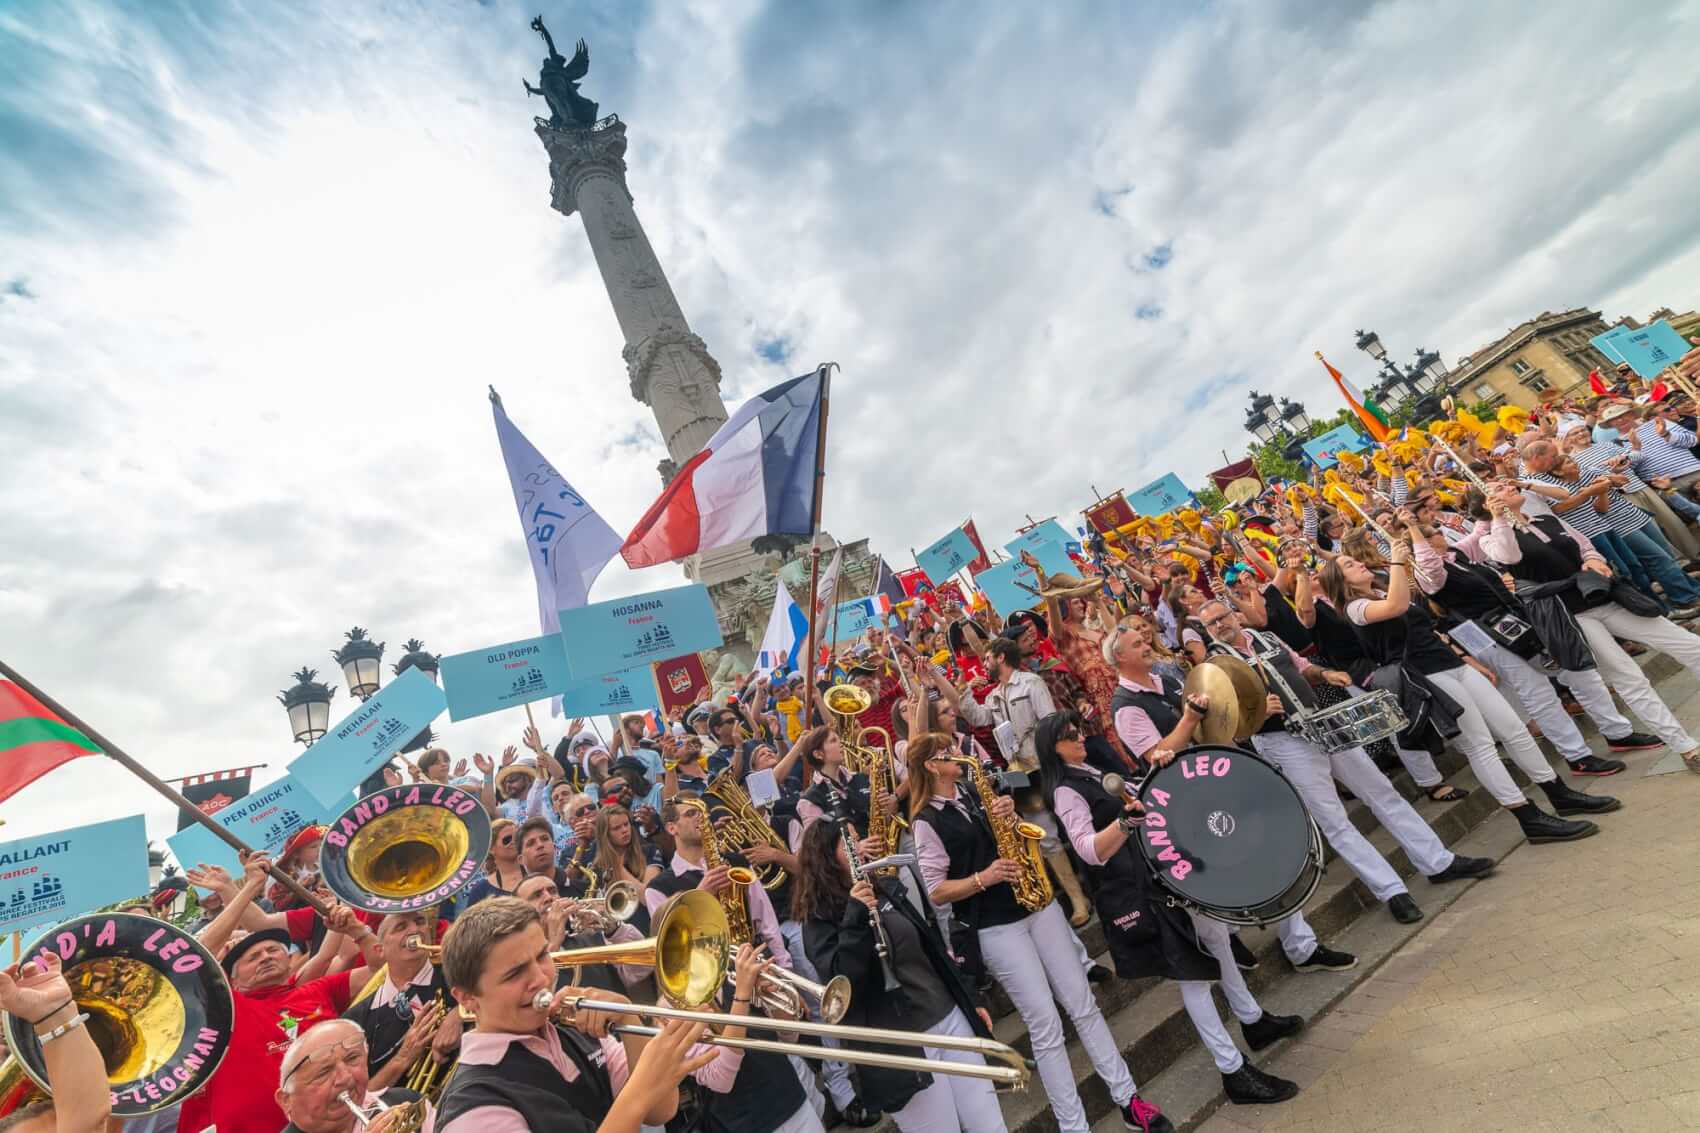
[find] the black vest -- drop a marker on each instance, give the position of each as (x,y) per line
(1473,591)
(1284,621)
(836,803)
(1339,645)
(1410,638)
(1549,562)
(1106,808)
(1283,664)
(529,1085)
(971,846)
(765,1095)
(386,1026)
(1163,708)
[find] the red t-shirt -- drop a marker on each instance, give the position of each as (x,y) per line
(239,1098)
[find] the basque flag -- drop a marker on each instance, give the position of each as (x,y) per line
(754,477)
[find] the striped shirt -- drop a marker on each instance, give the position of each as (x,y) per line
(1583,517)
(1595,457)
(1667,455)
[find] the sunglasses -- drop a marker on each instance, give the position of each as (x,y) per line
(1069,736)
(505,840)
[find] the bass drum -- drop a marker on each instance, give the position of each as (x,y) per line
(1225,833)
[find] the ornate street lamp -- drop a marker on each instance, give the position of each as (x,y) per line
(1293,416)
(1262,419)
(1432,369)
(308,705)
(360,659)
(1370,343)
(417,657)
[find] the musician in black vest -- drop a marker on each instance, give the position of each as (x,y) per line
(1549,561)
(1501,637)
(835,792)
(561,932)
(394,1017)
(1029,952)
(520,1071)
(684,818)
(1147,936)
(839,933)
(1151,717)
(323,1078)
(1312,772)
(1397,631)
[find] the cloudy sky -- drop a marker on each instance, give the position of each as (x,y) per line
(258,263)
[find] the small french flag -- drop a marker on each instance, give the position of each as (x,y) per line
(755,476)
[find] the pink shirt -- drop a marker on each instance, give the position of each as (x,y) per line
(1133,724)
(388,993)
(1500,542)
(763,919)
(1074,816)
(930,853)
(487,1048)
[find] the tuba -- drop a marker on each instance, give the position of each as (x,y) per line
(748,827)
(159,1010)
(404,848)
(844,703)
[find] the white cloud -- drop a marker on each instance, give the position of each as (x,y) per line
(277,254)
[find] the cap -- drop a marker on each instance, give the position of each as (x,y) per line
(253,939)
(300,840)
(1613,412)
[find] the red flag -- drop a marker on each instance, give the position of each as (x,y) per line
(679,680)
(1595,384)
(33,740)
(982,561)
(1110,513)
(914,582)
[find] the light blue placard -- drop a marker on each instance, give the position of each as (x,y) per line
(364,740)
(1053,557)
(265,819)
(1651,349)
(854,618)
(1607,344)
(629,690)
(946,556)
(1334,440)
(1009,586)
(1166,493)
(53,877)
(505,676)
(1049,531)
(626,633)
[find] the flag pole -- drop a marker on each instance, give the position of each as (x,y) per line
(113,751)
(825,371)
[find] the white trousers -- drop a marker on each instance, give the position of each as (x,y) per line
(805,1120)
(1620,671)
(1201,1009)
(1031,958)
(835,1074)
(1312,773)
(952,1104)
(1589,689)
(1486,718)
(1533,696)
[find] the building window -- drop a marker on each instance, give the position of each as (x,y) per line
(1519,367)
(1486,391)
(1535,382)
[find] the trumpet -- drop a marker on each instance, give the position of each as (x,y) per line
(1007,1070)
(782,991)
(609,911)
(365,1115)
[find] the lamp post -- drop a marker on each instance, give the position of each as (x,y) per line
(1262,419)
(1425,380)
(418,657)
(309,706)
(360,658)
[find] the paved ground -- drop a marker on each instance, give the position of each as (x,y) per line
(1564,993)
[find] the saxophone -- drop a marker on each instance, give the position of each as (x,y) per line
(732,898)
(1017,841)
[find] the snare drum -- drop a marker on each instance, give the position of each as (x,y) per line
(1358,722)
(1225,833)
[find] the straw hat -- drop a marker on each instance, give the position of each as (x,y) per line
(1066,584)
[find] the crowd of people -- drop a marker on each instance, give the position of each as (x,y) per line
(1496,576)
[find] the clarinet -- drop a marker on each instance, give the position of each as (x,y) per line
(882,945)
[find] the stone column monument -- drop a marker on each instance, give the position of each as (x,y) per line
(670,368)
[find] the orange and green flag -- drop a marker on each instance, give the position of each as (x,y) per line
(1368,412)
(33,740)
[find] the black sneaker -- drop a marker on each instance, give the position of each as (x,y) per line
(1634,741)
(856,1115)
(1567,800)
(1250,1086)
(1594,765)
(1404,908)
(1270,1028)
(1325,959)
(1462,869)
(1540,827)
(1141,1116)
(1244,958)
(1098,974)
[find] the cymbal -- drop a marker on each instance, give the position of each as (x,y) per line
(1251,691)
(1209,679)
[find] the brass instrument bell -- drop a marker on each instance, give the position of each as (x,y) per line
(404,848)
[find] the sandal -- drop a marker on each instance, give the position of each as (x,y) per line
(1447,793)
(1692,760)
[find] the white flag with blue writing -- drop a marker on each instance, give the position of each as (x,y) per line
(569,543)
(787,629)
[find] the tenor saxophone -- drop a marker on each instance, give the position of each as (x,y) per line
(1017,841)
(732,898)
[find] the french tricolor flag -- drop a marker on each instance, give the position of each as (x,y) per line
(755,476)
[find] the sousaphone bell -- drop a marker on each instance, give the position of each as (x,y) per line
(159,1009)
(405,848)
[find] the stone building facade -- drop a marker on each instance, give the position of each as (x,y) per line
(1546,357)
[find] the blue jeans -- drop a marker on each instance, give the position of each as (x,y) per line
(1659,560)
(1624,562)
(1683,504)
